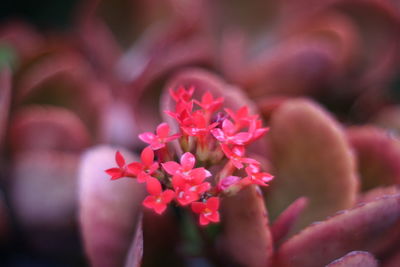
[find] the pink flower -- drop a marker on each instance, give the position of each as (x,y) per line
(158,199)
(208,211)
(228,134)
(121,171)
(158,140)
(142,170)
(227,182)
(198,125)
(185,169)
(254,176)
(188,191)
(242,117)
(236,155)
(208,103)
(181,94)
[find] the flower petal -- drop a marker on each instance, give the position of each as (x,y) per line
(147,156)
(188,161)
(213,203)
(171,167)
(153,186)
(162,130)
(147,137)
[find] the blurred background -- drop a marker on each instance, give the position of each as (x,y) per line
(78,73)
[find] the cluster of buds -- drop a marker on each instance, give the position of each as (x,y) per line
(213,161)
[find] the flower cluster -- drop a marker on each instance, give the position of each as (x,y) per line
(208,137)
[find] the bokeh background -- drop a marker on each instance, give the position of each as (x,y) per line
(78,74)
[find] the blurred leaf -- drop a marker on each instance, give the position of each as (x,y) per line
(372,227)
(378,156)
(311,157)
(246,236)
(108,210)
(355,259)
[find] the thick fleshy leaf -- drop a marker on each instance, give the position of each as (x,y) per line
(378,155)
(5,99)
(246,237)
(371,227)
(43,197)
(46,127)
(378,193)
(311,157)
(62,77)
(108,209)
(355,259)
(135,253)
(286,220)
(22,37)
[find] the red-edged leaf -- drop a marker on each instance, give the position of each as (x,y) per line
(108,209)
(378,155)
(378,193)
(45,127)
(245,222)
(355,259)
(135,253)
(372,227)
(311,157)
(286,220)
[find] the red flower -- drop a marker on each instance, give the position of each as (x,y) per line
(254,176)
(181,94)
(160,139)
(228,134)
(158,199)
(198,125)
(188,191)
(256,129)
(142,170)
(185,169)
(208,211)
(208,103)
(227,182)
(236,155)
(121,171)
(242,117)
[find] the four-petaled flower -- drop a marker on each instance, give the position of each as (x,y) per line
(228,134)
(189,191)
(142,170)
(208,210)
(254,176)
(208,103)
(158,140)
(236,155)
(121,170)
(158,199)
(185,169)
(198,125)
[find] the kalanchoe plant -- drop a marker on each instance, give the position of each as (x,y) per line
(208,139)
